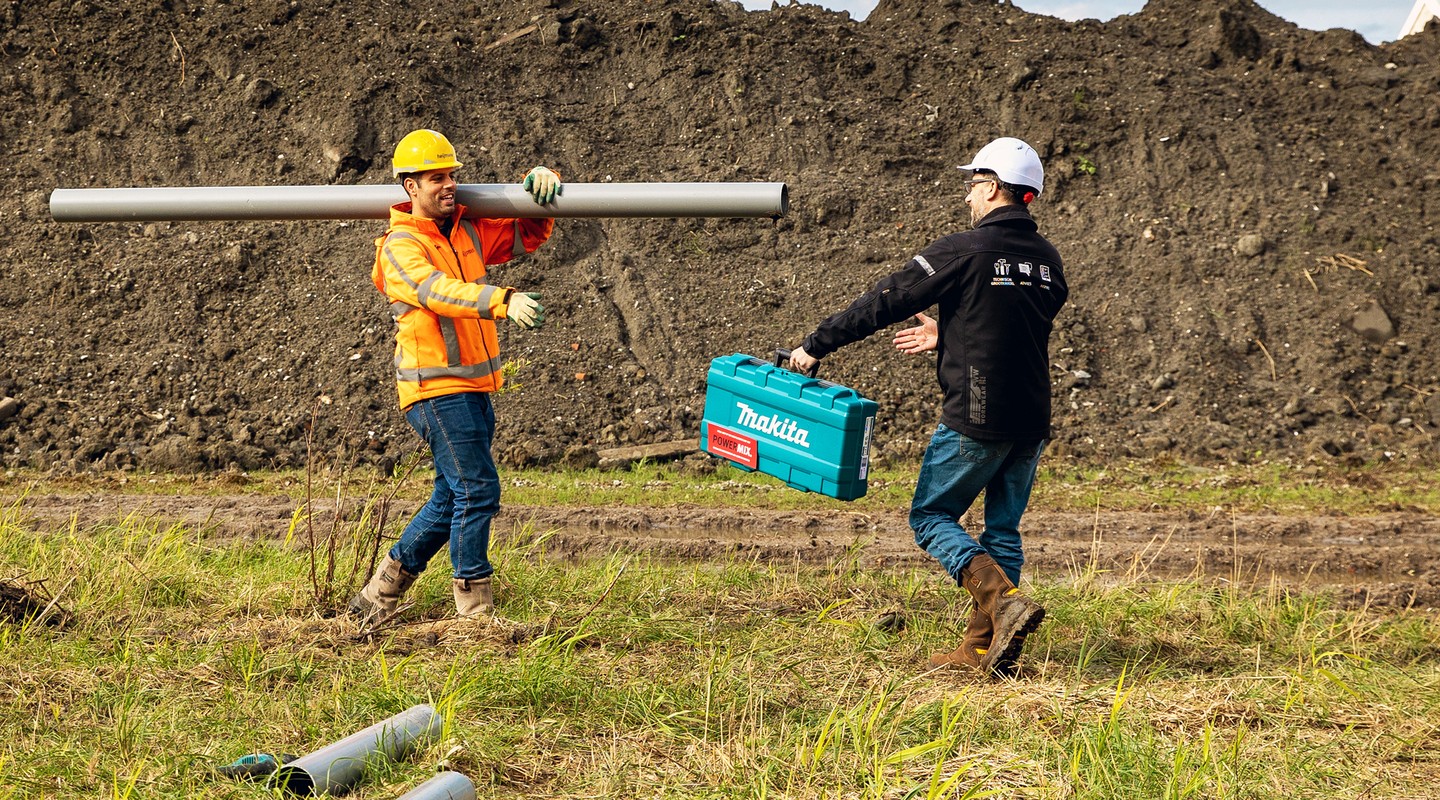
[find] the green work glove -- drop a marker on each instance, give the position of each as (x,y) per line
(524,309)
(542,183)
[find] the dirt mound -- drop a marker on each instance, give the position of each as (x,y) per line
(1246,209)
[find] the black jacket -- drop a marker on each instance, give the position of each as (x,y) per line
(999,288)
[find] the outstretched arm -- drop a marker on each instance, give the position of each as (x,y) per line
(543,184)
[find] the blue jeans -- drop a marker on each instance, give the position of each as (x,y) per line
(954,471)
(459,429)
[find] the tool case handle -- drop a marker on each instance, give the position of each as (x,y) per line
(782,355)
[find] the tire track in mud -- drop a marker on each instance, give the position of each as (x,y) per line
(1388,560)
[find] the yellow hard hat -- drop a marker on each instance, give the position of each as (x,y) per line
(423,150)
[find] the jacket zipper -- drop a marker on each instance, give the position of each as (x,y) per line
(460,268)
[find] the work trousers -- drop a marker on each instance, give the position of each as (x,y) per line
(955,470)
(459,429)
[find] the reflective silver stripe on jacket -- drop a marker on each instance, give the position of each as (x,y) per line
(404,276)
(452,341)
(484,301)
(417,374)
(399,308)
(925,265)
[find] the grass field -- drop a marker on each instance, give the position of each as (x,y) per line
(634,677)
(1266,486)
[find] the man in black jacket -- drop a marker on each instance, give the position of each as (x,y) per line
(998,288)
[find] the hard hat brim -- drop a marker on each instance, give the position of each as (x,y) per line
(398,171)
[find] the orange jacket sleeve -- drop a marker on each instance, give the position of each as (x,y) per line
(497,236)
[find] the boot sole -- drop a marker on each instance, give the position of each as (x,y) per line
(1011,631)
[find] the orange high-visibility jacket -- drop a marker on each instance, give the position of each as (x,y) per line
(445,341)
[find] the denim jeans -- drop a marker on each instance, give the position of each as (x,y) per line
(459,429)
(956,468)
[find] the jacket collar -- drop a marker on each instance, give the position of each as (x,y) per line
(1016,216)
(400,216)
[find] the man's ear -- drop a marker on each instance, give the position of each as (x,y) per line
(409,189)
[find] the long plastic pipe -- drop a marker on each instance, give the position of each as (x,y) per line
(336,767)
(373,202)
(445,786)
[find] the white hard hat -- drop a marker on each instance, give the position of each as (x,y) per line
(1015,163)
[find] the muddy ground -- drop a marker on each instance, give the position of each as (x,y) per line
(1247,211)
(1384,560)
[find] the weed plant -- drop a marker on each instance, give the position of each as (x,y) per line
(625,676)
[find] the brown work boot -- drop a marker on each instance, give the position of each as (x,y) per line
(381,596)
(474,599)
(1013,614)
(978,632)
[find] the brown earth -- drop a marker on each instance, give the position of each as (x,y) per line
(1247,211)
(1386,560)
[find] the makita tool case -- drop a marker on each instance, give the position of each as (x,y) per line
(812,434)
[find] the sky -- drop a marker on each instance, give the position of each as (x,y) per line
(1377,20)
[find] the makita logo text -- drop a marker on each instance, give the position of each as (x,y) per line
(773,425)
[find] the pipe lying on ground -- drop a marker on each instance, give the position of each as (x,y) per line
(373,202)
(445,786)
(336,767)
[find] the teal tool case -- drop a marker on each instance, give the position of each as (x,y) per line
(812,434)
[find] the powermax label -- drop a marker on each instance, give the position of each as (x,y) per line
(733,445)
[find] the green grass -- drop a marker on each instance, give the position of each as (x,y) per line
(1274,487)
(1264,487)
(1277,487)
(628,676)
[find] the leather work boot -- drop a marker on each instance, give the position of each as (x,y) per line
(1013,614)
(474,599)
(381,596)
(978,632)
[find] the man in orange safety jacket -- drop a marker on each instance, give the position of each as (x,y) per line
(431,266)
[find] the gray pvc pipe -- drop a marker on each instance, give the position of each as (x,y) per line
(336,767)
(373,202)
(445,786)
